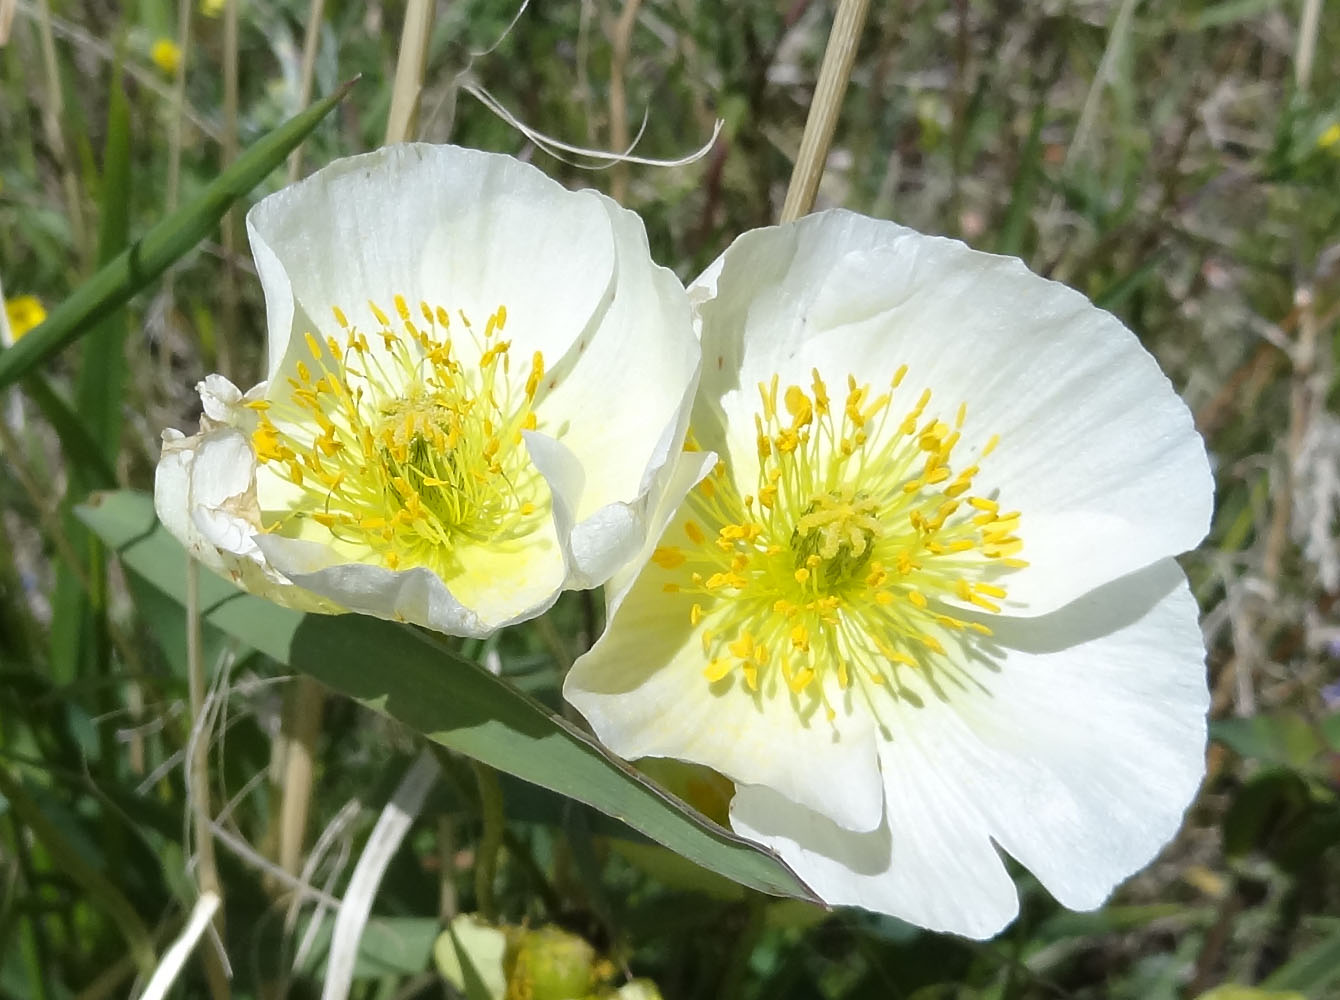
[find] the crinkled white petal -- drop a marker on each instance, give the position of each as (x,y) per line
(1095,448)
(642,689)
(413,595)
(204,494)
(1077,753)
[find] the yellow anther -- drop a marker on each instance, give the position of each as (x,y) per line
(717,669)
(536,374)
(799,406)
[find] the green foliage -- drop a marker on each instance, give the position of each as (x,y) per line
(1200,206)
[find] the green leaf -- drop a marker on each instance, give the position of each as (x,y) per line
(469,955)
(79,644)
(1284,738)
(160,247)
(102,372)
(412,676)
(1024,191)
(80,448)
(72,863)
(1311,972)
(389,946)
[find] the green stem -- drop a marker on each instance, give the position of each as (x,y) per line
(490,841)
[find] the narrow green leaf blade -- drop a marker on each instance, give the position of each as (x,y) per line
(160,247)
(413,677)
(102,371)
(1311,972)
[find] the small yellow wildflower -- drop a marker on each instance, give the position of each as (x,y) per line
(1330,137)
(24,313)
(166,55)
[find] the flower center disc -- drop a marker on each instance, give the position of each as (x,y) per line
(400,452)
(857,553)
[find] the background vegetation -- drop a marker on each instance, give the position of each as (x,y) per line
(1179,162)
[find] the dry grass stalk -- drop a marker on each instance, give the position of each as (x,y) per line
(206,867)
(311,43)
(825,107)
(620,43)
(402,122)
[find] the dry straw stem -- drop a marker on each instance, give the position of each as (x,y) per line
(180,949)
(394,822)
(302,729)
(403,119)
(229,227)
(824,109)
(311,42)
(53,111)
(1307,44)
(178,103)
(197,764)
(622,40)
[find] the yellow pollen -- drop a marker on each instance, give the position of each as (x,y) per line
(410,453)
(851,556)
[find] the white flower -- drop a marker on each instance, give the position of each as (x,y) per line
(925,601)
(477,386)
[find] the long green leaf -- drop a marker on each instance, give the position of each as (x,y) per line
(102,371)
(79,643)
(411,676)
(160,247)
(1312,971)
(92,881)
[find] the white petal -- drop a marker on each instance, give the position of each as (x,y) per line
(1088,744)
(172,497)
(625,390)
(223,492)
(415,595)
(1077,754)
(454,227)
(1095,448)
(204,494)
(642,689)
(931,863)
(671,486)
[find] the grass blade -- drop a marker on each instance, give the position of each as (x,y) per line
(160,247)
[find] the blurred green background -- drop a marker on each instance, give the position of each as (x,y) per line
(1179,162)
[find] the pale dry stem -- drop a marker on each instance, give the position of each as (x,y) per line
(834,74)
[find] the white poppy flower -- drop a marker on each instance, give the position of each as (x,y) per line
(478,383)
(924,605)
